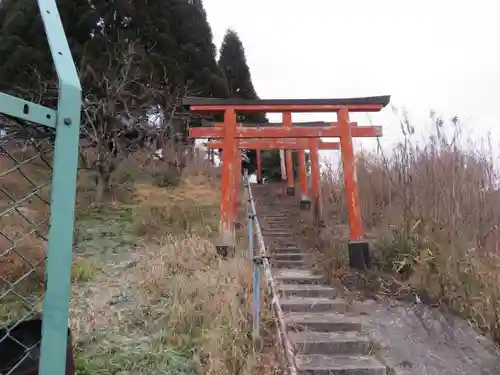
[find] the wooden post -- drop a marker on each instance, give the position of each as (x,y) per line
(259,166)
(290,186)
(226,239)
(359,256)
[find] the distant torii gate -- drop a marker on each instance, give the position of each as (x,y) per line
(230,134)
(288,165)
(299,145)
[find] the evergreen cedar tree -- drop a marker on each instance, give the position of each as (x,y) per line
(233,64)
(175,33)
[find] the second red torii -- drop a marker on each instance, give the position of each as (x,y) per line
(277,144)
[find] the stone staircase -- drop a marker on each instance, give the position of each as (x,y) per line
(326,332)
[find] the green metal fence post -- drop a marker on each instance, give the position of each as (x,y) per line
(66,123)
(59,258)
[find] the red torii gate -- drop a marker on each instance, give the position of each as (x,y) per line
(230,135)
(299,145)
(284,145)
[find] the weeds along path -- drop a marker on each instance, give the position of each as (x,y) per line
(150,296)
(326,331)
(410,337)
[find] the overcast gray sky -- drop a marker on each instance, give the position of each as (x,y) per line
(439,54)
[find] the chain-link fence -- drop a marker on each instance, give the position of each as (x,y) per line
(38,164)
(26,153)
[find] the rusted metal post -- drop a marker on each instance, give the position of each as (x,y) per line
(305,202)
(315,186)
(290,185)
(358,248)
(259,166)
(226,236)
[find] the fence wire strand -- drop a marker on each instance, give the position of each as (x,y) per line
(26,152)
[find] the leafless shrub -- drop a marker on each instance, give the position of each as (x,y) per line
(120,91)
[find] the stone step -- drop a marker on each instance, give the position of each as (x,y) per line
(283,236)
(288,264)
(296,277)
(323,322)
(291,256)
(307,290)
(338,365)
(276,234)
(331,343)
(278,241)
(288,250)
(314,305)
(280,244)
(273,241)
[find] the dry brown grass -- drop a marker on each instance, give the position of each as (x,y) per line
(192,206)
(182,310)
(433,211)
(176,307)
(165,303)
(23,223)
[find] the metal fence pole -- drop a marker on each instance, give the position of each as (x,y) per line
(262,259)
(255,266)
(62,218)
(40,340)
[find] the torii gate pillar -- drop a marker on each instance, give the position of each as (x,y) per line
(305,201)
(358,247)
(290,183)
(315,181)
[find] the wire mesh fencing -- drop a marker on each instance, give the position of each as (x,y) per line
(26,154)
